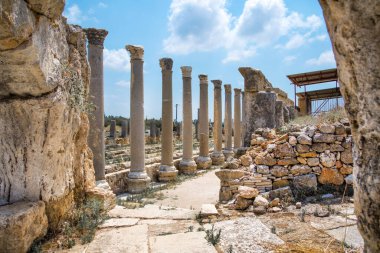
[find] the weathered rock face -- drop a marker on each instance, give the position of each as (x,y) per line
(44,76)
(354,30)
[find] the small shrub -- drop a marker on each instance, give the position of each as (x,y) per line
(302,215)
(230,249)
(273,230)
(213,236)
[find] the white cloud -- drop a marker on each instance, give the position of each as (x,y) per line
(74,15)
(325,58)
(123,83)
(116,59)
(102,5)
(205,25)
(289,59)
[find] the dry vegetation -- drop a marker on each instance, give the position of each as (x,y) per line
(331,117)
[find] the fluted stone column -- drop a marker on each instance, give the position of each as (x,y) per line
(228,152)
(113,129)
(237,118)
(204,160)
(242,117)
(138,180)
(95,138)
(217,156)
(187,165)
(167,172)
(124,129)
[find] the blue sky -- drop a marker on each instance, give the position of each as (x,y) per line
(215,37)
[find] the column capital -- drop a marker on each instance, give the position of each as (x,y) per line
(95,36)
(237,91)
(227,88)
(217,84)
(203,78)
(166,64)
(186,71)
(137,52)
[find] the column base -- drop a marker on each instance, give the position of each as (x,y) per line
(103,184)
(217,158)
(138,185)
(228,153)
(188,167)
(204,162)
(167,173)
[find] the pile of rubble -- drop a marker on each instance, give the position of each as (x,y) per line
(301,160)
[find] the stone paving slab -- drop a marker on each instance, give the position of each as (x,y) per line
(350,235)
(246,235)
(208,210)
(119,222)
(331,222)
(120,240)
(192,242)
(179,226)
(153,212)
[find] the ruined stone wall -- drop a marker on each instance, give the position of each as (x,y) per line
(305,158)
(354,28)
(44,79)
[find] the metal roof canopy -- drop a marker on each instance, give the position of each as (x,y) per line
(321,94)
(308,78)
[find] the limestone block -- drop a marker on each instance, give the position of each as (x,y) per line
(265,160)
(247,192)
(306,183)
(49,8)
(246,160)
(346,169)
(279,171)
(283,193)
(292,140)
(39,65)
(280,183)
(260,201)
(327,128)
(349,179)
(308,154)
(262,169)
(242,203)
(104,196)
(304,139)
(336,148)
(226,175)
(284,150)
(340,129)
(17,23)
(20,224)
(327,138)
(327,160)
(320,147)
(208,210)
(302,148)
(313,161)
(300,169)
(330,176)
(287,161)
(346,156)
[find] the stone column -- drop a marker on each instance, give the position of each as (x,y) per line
(152,130)
(95,138)
(167,172)
(197,126)
(237,118)
(113,129)
(187,165)
(228,152)
(124,129)
(242,117)
(217,156)
(204,160)
(279,114)
(138,180)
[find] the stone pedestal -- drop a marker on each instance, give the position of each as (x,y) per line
(113,129)
(228,152)
(279,114)
(187,165)
(95,138)
(138,180)
(203,161)
(237,119)
(124,129)
(217,156)
(167,172)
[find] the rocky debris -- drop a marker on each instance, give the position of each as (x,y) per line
(304,139)
(246,160)
(208,210)
(20,224)
(307,184)
(242,203)
(247,192)
(330,176)
(298,205)
(260,201)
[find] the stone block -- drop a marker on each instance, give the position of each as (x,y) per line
(304,139)
(247,192)
(307,184)
(20,224)
(326,138)
(279,171)
(327,160)
(330,176)
(284,150)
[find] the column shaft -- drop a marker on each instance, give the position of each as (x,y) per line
(137,178)
(203,161)
(95,138)
(228,122)
(167,171)
(187,164)
(237,119)
(217,156)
